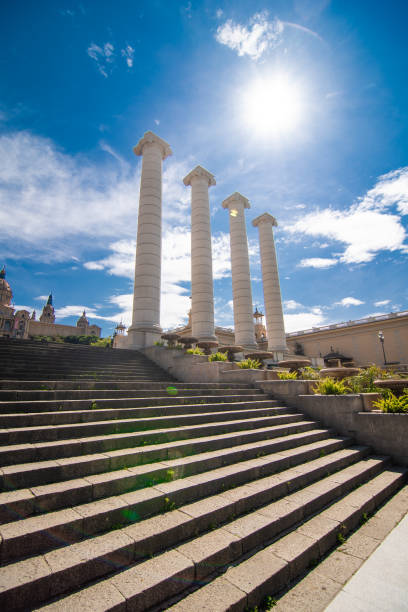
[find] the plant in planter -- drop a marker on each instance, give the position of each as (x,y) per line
(188,341)
(217,357)
(195,351)
(330,386)
(287,375)
(391,403)
(249,364)
(363,382)
(309,373)
(207,345)
(171,339)
(231,350)
(159,343)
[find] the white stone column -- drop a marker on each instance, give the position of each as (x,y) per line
(145,328)
(275,327)
(241,279)
(202,292)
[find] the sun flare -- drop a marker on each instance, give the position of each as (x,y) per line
(272,106)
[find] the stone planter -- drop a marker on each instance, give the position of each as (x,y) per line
(287,390)
(368,399)
(240,375)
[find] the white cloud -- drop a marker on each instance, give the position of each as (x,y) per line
(349,301)
(291,305)
(219,13)
(157,121)
(128,54)
(390,190)
(302,320)
(253,39)
(318,262)
(41,298)
(366,227)
(104,56)
(382,303)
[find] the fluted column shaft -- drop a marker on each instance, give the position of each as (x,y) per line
(270,277)
(145,328)
(241,279)
(202,292)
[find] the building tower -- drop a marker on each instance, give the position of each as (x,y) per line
(48,313)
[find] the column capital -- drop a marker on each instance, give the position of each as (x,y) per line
(199,172)
(151,138)
(234,199)
(265,218)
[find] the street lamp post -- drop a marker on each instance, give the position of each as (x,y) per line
(381,339)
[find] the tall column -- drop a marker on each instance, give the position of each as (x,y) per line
(202,292)
(145,328)
(275,327)
(241,279)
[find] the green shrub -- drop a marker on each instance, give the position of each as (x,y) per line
(217,357)
(330,386)
(159,343)
(363,382)
(391,403)
(249,364)
(101,342)
(195,351)
(287,375)
(309,373)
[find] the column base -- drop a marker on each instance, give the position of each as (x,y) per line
(142,336)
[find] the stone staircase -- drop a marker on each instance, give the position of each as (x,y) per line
(133,492)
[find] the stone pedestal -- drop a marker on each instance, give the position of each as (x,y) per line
(272,296)
(145,328)
(241,279)
(202,293)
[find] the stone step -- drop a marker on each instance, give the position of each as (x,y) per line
(116,384)
(142,583)
(244,585)
(59,452)
(53,433)
(38,534)
(71,463)
(129,402)
(25,502)
(35,395)
(35,419)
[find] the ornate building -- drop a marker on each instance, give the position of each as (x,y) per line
(20,325)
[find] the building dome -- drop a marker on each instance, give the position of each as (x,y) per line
(83,321)
(6,294)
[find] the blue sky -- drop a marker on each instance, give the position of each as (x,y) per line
(300,105)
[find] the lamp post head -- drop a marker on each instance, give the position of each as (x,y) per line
(381,336)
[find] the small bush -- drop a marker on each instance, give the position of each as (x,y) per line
(364,381)
(157,343)
(249,364)
(391,403)
(309,373)
(217,357)
(330,386)
(287,375)
(195,351)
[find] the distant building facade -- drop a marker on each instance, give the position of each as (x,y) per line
(19,324)
(356,341)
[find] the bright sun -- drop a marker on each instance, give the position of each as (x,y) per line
(272,106)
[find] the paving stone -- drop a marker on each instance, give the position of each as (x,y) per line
(54,496)
(252,530)
(298,550)
(210,511)
(212,551)
(154,581)
(103,514)
(259,576)
(19,580)
(339,566)
(88,560)
(99,597)
(39,533)
(323,530)
(159,532)
(312,594)
(359,545)
(15,505)
(217,596)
